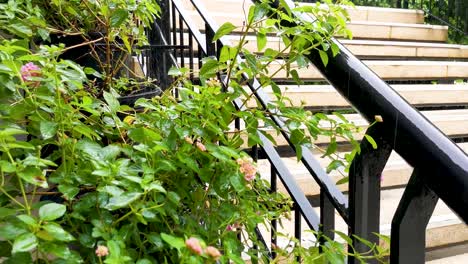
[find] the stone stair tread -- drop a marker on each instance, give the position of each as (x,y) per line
(396,173)
(416,94)
(392,69)
(386,69)
(355,13)
(371,49)
(457,259)
(451,122)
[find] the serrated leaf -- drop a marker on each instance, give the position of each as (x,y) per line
(51,211)
(118,17)
(111,101)
(225,29)
(25,242)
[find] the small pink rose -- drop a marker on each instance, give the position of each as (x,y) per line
(28,71)
(193,244)
(248,168)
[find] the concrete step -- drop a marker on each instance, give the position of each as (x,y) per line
(357,13)
(386,69)
(359,29)
(453,123)
(325,96)
(396,173)
(391,70)
(378,49)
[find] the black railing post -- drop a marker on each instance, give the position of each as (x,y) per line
(327,217)
(159,63)
(364,190)
(408,237)
(210,45)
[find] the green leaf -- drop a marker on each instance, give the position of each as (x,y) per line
(343,180)
(69,192)
(335,49)
(118,17)
(57,232)
(51,211)
(324,57)
(175,242)
(4,212)
(48,129)
(34,176)
(371,141)
(5,249)
(209,68)
(27,220)
(111,101)
(225,29)
(261,41)
(20,257)
(122,200)
(25,242)
(334,165)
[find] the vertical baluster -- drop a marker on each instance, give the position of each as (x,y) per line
(364,190)
(274,222)
(466,21)
(181,41)
(159,64)
(190,39)
(174,28)
(199,56)
(410,221)
(210,46)
(297,227)
(327,218)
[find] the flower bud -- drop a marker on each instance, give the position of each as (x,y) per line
(102,251)
(213,252)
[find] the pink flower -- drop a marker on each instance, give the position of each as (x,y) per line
(200,146)
(213,252)
(102,251)
(248,168)
(30,70)
(194,246)
(232,227)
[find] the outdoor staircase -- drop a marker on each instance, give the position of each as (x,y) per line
(415,59)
